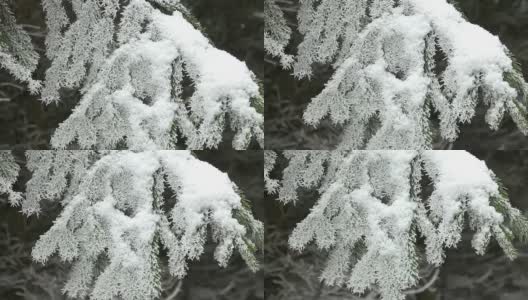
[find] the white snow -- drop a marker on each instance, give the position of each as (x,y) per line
(218,75)
(471,48)
(460,173)
(201,188)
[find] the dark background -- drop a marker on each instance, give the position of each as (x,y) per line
(290,275)
(236,26)
(287,98)
(20,278)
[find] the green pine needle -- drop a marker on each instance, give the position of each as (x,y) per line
(515,225)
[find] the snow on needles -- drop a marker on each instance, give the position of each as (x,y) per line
(457,173)
(218,196)
(463,184)
(218,76)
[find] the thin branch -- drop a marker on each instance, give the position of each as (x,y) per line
(175,292)
(426,286)
(13,85)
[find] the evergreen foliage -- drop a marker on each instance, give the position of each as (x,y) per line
(120,207)
(148,78)
(9,170)
(374,205)
(17,54)
(269,163)
(276,32)
(399,65)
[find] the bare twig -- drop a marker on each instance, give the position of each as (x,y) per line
(175,292)
(426,286)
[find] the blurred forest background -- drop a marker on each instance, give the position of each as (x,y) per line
(287,98)
(236,26)
(20,278)
(290,275)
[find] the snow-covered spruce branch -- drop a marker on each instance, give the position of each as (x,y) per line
(372,209)
(276,33)
(9,170)
(397,65)
(119,207)
(269,162)
(147,81)
(17,54)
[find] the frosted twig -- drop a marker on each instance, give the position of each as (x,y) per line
(427,285)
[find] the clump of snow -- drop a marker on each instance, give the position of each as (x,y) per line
(218,77)
(475,58)
(195,200)
(458,172)
(463,184)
